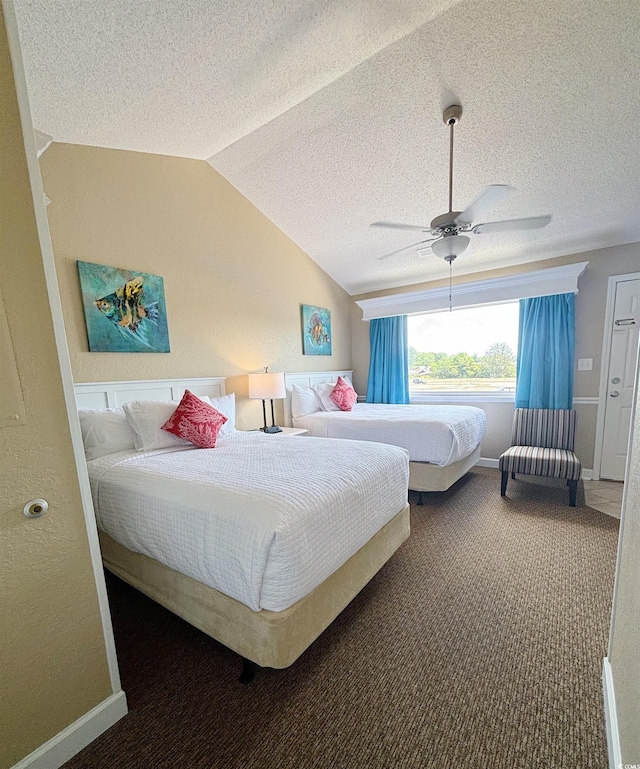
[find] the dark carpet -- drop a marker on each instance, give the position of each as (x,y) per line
(479,645)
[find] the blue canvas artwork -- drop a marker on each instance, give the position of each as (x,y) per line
(316,330)
(124,310)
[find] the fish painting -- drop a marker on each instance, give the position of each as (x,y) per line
(124,310)
(316,330)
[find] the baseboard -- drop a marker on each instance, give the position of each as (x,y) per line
(610,716)
(59,749)
(586,475)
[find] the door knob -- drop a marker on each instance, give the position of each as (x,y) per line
(615,380)
(614,394)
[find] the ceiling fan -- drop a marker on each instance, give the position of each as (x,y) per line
(446,231)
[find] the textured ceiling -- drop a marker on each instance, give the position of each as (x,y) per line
(327,115)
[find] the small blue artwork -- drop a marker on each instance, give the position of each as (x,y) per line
(316,330)
(124,310)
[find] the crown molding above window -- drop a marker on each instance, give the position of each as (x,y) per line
(554,280)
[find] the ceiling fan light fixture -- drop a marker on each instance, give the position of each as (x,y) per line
(450,245)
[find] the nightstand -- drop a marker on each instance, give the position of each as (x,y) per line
(292,431)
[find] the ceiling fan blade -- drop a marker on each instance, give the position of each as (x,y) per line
(531,223)
(489,197)
(406,248)
(398,226)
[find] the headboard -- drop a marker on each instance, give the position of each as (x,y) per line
(308,379)
(102,395)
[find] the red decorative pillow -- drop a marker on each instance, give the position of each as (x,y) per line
(343,395)
(195,421)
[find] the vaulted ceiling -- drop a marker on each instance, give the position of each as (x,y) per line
(328,115)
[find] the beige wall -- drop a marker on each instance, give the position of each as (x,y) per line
(54,666)
(590,310)
(233,281)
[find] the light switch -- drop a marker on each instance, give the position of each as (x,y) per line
(585,364)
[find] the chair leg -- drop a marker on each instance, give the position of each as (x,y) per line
(513,476)
(573,492)
(503,485)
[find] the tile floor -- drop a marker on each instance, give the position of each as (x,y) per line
(605,496)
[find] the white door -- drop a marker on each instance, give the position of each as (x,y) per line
(622,367)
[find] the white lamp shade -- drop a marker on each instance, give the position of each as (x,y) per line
(267,386)
(450,245)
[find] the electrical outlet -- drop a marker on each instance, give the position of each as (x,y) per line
(585,364)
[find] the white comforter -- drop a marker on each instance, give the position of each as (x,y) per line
(264,519)
(437,434)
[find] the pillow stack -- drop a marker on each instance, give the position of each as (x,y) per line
(328,396)
(151,425)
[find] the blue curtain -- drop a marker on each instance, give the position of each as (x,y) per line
(546,346)
(389,362)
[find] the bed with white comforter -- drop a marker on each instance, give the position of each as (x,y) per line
(263,519)
(439,435)
(443,441)
(260,541)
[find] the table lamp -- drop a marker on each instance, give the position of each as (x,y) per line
(266,386)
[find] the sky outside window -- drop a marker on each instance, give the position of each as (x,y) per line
(471,330)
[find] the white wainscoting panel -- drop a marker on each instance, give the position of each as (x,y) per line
(102,395)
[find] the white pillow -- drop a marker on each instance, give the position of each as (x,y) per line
(146,418)
(105,431)
(226,405)
(304,400)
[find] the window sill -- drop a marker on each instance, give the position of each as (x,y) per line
(462,397)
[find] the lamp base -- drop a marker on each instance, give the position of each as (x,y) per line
(272,429)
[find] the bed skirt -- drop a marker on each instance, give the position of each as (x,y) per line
(427,477)
(270,639)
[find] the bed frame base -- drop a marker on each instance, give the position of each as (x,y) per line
(266,638)
(427,477)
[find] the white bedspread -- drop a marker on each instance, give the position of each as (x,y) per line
(437,434)
(264,519)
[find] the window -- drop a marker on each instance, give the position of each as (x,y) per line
(468,351)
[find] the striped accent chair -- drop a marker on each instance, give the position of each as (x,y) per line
(543,442)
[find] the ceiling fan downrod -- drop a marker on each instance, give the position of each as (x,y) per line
(450,117)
